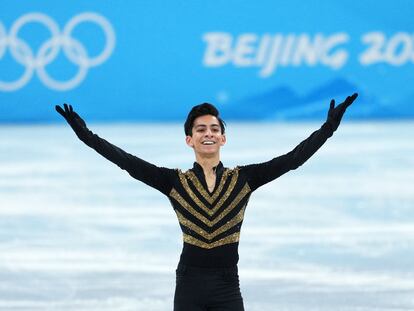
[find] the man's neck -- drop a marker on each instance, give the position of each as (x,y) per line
(208,164)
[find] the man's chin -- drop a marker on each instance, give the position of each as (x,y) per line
(208,153)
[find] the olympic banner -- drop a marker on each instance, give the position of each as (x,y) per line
(154,60)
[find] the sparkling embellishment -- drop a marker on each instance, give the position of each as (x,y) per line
(175,195)
(209,236)
(196,182)
(227,240)
(206,214)
(197,201)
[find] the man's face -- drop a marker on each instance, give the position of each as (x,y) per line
(207,137)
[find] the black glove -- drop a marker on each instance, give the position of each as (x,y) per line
(74,120)
(335,113)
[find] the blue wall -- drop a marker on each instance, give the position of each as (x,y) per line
(153,60)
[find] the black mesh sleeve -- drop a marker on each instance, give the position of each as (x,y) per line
(262,173)
(159,178)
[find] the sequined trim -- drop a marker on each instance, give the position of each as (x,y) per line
(209,236)
(228,191)
(227,240)
(175,195)
(233,204)
(196,182)
(224,197)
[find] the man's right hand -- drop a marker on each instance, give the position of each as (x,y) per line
(75,121)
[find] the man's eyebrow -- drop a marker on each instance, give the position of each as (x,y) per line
(205,125)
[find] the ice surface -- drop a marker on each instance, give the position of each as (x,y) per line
(77,233)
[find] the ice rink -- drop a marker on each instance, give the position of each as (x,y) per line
(77,233)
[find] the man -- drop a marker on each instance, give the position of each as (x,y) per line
(209,200)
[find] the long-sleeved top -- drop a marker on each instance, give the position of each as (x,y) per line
(210,221)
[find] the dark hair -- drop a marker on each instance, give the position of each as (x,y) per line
(198,111)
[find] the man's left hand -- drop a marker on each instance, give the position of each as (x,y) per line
(335,114)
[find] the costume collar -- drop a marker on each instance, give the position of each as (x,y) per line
(198,168)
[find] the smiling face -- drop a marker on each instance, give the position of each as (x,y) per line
(207,137)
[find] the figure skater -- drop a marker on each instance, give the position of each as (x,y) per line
(209,199)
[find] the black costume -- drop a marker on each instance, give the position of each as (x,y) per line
(210,222)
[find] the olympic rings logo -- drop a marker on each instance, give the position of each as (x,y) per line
(36,62)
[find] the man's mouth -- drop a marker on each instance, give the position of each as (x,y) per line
(208,142)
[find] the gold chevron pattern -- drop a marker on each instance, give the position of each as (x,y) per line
(227,240)
(201,190)
(209,214)
(175,195)
(209,198)
(209,236)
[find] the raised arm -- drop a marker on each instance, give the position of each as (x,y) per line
(154,176)
(262,173)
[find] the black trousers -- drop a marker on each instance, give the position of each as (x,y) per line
(207,289)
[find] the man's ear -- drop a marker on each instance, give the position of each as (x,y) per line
(223,140)
(189,141)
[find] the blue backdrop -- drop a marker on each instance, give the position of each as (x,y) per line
(256,60)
